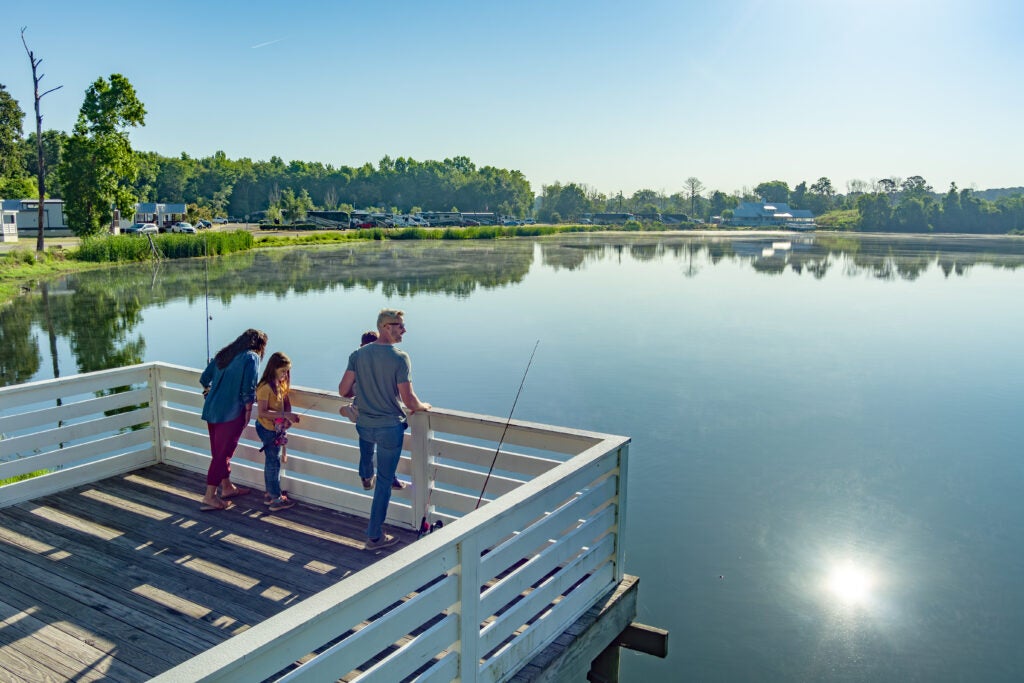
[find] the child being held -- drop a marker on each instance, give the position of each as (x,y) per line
(351,411)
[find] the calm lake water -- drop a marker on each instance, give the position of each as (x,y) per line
(825,476)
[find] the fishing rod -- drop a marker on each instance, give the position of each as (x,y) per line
(507,423)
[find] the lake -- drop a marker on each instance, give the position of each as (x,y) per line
(825,477)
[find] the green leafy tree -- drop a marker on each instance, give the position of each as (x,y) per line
(11,117)
(820,196)
(911,215)
(773,191)
(951,217)
(172,178)
(572,202)
(17,187)
(889,186)
(274,214)
(720,203)
(53,149)
(99,168)
(796,197)
(294,208)
(645,198)
(916,186)
(875,211)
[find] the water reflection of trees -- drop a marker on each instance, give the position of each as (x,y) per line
(96,312)
(20,359)
(882,257)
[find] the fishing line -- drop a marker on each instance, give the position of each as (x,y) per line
(507,423)
(206,249)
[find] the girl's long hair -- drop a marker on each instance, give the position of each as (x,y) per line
(250,340)
(276,361)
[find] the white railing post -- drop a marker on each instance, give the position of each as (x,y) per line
(421,461)
(620,513)
(469,608)
(156,406)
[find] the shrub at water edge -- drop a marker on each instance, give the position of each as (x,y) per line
(116,248)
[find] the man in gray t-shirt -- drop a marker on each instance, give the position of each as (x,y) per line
(383,373)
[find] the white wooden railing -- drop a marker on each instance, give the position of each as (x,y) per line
(473,601)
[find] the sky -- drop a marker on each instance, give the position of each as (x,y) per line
(616,96)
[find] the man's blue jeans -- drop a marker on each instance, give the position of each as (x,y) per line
(388,441)
(365,458)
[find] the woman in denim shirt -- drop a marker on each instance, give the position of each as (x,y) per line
(229,382)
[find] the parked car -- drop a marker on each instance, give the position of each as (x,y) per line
(203,224)
(141,229)
(220,219)
(183,226)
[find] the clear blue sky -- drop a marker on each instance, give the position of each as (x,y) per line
(618,96)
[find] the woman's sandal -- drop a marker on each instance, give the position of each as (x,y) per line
(239,491)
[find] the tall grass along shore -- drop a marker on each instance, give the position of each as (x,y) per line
(21,269)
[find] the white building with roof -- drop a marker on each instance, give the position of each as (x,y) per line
(55,223)
(772,215)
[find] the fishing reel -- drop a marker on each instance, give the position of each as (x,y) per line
(428,528)
(282,436)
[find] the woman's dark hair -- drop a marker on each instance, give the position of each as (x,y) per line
(250,340)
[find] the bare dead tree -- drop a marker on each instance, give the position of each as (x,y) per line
(40,171)
(694,186)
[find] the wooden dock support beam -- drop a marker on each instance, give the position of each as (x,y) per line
(639,637)
(590,646)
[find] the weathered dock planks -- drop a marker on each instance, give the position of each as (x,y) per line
(125,578)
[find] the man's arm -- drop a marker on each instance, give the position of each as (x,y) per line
(410,399)
(348,380)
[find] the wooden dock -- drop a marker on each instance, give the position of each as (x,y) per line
(108,569)
(125,578)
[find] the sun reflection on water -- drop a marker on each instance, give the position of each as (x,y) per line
(850,584)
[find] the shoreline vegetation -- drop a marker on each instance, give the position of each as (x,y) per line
(21,270)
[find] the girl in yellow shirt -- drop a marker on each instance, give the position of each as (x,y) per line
(273,418)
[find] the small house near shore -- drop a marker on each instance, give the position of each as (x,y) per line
(26,213)
(162,216)
(55,222)
(772,215)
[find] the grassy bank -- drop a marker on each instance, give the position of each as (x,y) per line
(121,248)
(20,270)
(483,232)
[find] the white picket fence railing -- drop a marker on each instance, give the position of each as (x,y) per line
(474,601)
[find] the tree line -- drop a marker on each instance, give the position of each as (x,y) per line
(890,204)
(95,170)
